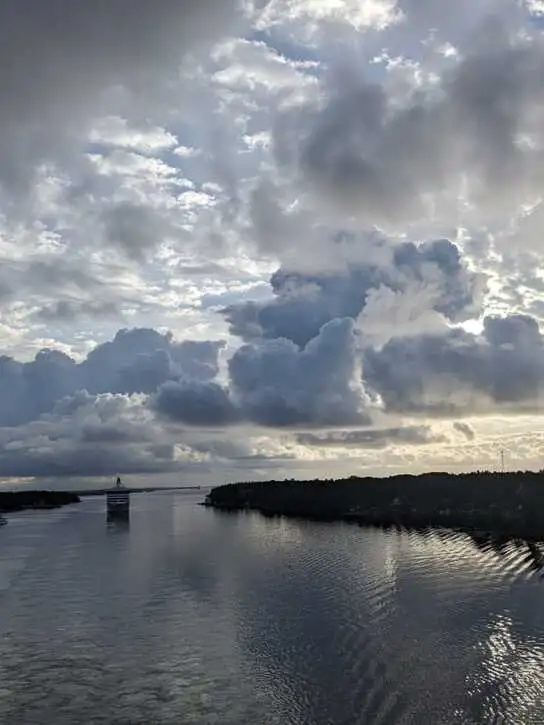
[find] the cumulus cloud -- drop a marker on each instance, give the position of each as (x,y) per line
(277,384)
(166,192)
(70,58)
(135,361)
(204,404)
(472,136)
(461,373)
(124,403)
(303,303)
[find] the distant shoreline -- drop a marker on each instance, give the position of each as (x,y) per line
(23,500)
(510,504)
(149,489)
(11,501)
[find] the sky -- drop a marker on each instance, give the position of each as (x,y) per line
(257,239)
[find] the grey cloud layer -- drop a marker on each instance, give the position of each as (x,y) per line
(329,347)
(59,58)
(303,303)
(87,435)
(477,132)
(276,384)
(378,438)
(460,373)
(136,361)
(120,409)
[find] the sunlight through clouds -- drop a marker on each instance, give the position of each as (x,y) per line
(270,238)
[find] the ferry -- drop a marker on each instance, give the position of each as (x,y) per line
(118,501)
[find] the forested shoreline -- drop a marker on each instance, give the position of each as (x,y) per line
(510,503)
(21,500)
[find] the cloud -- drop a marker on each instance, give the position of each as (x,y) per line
(134,229)
(311,14)
(277,384)
(200,404)
(465,429)
(376,438)
(71,59)
(473,136)
(88,435)
(340,143)
(65,310)
(135,361)
(57,288)
(303,302)
(459,373)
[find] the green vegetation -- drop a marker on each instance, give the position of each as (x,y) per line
(510,503)
(21,500)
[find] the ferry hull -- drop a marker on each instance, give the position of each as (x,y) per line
(117,504)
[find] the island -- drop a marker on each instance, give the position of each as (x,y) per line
(509,503)
(11,501)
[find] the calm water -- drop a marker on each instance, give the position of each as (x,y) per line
(193,616)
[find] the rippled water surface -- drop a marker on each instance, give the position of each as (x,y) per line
(193,616)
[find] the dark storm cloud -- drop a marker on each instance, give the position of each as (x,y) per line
(382,162)
(135,361)
(58,59)
(457,372)
(276,384)
(377,438)
(303,303)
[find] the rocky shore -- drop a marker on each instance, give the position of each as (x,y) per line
(503,503)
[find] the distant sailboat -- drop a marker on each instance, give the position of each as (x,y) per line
(3,520)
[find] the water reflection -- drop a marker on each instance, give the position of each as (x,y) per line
(395,629)
(117,523)
(528,554)
(194,616)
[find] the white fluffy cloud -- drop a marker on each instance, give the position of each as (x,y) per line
(334,206)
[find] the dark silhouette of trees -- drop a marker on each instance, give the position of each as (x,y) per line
(20,500)
(510,502)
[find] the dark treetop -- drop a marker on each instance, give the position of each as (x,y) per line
(504,502)
(20,500)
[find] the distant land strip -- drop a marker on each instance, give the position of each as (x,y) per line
(148,489)
(21,500)
(510,503)
(11,501)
